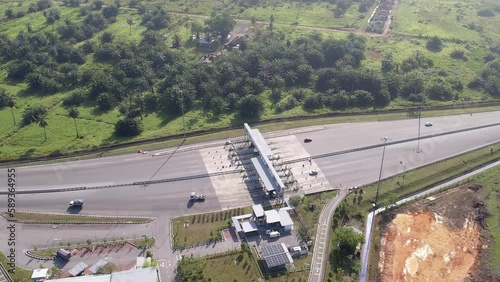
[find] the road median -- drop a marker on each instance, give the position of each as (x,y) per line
(59,218)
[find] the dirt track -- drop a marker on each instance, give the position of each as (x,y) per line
(436,239)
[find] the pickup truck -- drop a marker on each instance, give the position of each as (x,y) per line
(197,198)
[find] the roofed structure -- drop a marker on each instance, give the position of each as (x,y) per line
(258,210)
(276,256)
(96,266)
(272,216)
(79,268)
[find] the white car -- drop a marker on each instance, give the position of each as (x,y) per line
(313,172)
(428,124)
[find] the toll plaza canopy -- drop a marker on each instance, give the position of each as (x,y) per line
(258,141)
(262,164)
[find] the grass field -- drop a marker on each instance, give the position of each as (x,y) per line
(56,218)
(235,265)
(96,127)
(202,228)
(446,19)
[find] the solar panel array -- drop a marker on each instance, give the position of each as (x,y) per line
(276,255)
(277,260)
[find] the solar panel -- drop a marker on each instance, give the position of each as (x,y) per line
(272,249)
(278,260)
(276,255)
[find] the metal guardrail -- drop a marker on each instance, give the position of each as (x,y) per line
(5,273)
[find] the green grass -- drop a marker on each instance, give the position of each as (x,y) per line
(96,127)
(62,218)
(201,228)
(235,265)
(429,18)
(20,274)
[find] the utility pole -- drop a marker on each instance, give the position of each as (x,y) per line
(380,173)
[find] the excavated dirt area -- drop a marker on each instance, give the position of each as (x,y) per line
(440,238)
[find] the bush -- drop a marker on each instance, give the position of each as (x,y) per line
(459,55)
(32,114)
(486,13)
(250,107)
(434,44)
(105,101)
(313,101)
(76,98)
(128,127)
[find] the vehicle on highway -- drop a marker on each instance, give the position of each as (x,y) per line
(428,124)
(307,140)
(76,203)
(313,172)
(197,198)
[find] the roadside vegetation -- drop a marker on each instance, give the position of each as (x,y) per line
(19,274)
(26,217)
(98,73)
(202,228)
(352,212)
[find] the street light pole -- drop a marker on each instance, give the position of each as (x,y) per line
(419,118)
(404,172)
(380,173)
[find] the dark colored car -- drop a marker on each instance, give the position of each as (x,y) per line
(307,140)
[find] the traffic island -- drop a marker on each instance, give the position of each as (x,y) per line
(55,218)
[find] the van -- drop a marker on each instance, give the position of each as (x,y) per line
(274,234)
(64,254)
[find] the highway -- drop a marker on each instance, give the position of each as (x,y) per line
(138,167)
(170,199)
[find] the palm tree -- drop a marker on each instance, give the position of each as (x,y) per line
(11,103)
(130,23)
(176,43)
(42,123)
(74,113)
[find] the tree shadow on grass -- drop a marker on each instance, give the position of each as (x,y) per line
(28,153)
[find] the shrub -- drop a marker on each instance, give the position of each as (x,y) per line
(76,98)
(486,13)
(434,44)
(459,55)
(32,114)
(128,127)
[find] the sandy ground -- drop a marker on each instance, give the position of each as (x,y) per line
(436,239)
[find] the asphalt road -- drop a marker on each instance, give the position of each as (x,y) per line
(138,167)
(322,241)
(154,200)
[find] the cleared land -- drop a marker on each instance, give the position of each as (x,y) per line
(435,239)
